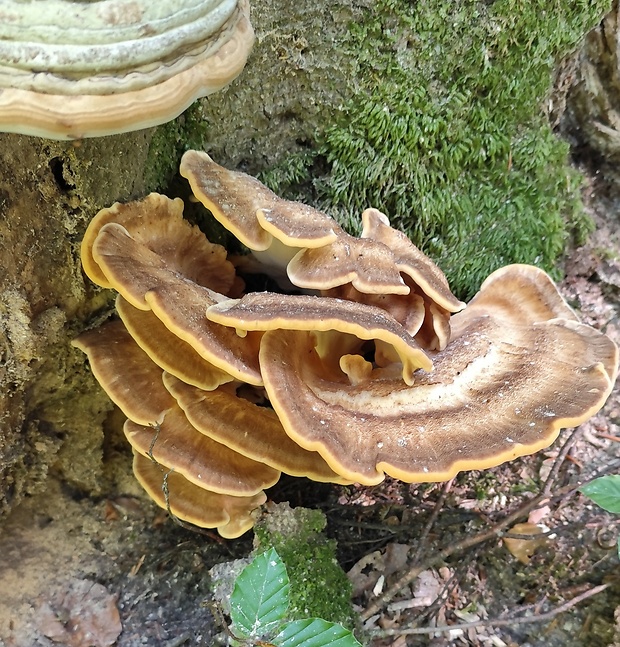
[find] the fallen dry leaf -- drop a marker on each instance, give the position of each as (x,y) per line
(427,587)
(395,558)
(84,615)
(523,549)
(365,573)
(536,516)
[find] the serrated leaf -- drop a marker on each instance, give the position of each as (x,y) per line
(315,632)
(605,492)
(260,597)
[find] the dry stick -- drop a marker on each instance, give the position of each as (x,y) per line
(431,521)
(615,439)
(560,458)
(499,622)
(493,532)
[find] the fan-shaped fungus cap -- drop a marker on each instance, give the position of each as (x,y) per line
(153,276)
(167,350)
(522,289)
(248,429)
(269,311)
(250,211)
(504,387)
(407,309)
(201,460)
(419,315)
(422,276)
(410,260)
(156,223)
(231,515)
(367,264)
(125,372)
(86,69)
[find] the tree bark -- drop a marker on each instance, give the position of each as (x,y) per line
(592,116)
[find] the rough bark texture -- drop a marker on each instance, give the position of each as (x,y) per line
(51,411)
(297,78)
(592,115)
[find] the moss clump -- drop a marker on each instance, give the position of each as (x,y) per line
(448,133)
(449,138)
(169,142)
(319,587)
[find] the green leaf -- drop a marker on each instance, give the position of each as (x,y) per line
(314,632)
(605,492)
(260,597)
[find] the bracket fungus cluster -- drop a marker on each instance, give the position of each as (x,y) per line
(71,69)
(372,367)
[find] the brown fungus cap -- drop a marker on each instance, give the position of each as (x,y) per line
(148,281)
(407,309)
(201,460)
(231,515)
(271,311)
(523,289)
(419,315)
(434,333)
(250,211)
(410,260)
(503,387)
(70,70)
(167,350)
(156,223)
(251,430)
(367,264)
(126,373)
(181,307)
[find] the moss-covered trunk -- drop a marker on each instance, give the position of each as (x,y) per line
(342,103)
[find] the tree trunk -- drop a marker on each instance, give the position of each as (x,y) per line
(592,116)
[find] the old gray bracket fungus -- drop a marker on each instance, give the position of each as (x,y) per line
(378,369)
(71,69)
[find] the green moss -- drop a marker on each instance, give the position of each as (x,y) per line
(448,133)
(319,587)
(292,173)
(169,142)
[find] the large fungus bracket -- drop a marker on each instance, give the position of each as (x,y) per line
(373,368)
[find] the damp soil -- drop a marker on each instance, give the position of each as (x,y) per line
(155,573)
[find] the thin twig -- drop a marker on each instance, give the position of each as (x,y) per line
(177,642)
(431,521)
(615,439)
(493,532)
(559,461)
(498,622)
(166,491)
